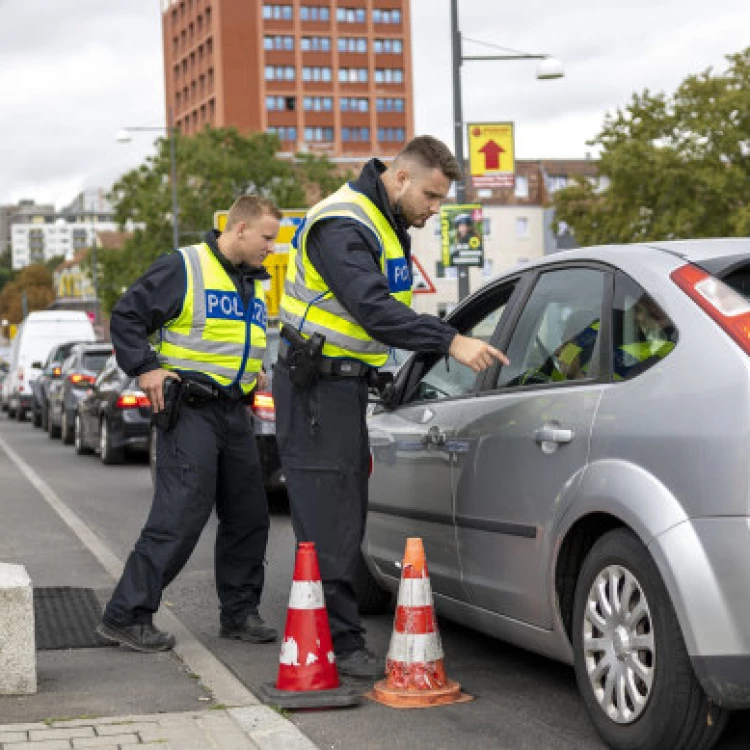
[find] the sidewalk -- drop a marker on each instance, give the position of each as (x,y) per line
(111,697)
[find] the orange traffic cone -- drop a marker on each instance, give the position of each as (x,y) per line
(307,676)
(415,674)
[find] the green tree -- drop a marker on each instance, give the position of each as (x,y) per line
(36,282)
(674,166)
(6,267)
(214,167)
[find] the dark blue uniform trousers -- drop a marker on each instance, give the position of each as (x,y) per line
(324,450)
(209,458)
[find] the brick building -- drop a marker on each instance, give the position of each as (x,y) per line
(329,76)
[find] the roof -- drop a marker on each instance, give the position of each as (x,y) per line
(110,240)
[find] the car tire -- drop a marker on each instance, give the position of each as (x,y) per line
(54,430)
(66,430)
(660,703)
(20,414)
(109,454)
(372,598)
(80,446)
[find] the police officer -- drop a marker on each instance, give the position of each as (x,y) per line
(208,304)
(349,280)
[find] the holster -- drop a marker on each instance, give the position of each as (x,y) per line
(167,418)
(304,357)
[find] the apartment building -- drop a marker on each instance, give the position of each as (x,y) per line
(328,76)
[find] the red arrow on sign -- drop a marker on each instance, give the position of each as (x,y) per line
(491,151)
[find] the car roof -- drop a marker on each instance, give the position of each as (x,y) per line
(98,346)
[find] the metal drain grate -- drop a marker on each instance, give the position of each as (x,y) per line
(66,617)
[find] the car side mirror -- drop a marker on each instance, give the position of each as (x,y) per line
(37,365)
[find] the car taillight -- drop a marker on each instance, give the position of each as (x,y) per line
(727,307)
(263,406)
(79,379)
(131,400)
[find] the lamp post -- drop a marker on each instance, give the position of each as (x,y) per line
(548,68)
(124,136)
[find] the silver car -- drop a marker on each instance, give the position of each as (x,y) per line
(591,501)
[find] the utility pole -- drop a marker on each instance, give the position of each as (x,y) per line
(458,134)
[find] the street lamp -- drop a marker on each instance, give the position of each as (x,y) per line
(124,136)
(547,69)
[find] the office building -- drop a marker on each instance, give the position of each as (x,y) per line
(327,76)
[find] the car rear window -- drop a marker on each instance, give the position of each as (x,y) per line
(95,361)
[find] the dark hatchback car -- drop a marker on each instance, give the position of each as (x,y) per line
(263,412)
(41,386)
(78,372)
(114,417)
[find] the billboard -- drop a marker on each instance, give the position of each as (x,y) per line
(492,160)
(462,235)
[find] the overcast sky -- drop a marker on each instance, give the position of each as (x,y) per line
(73,72)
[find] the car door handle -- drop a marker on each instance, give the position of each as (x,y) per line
(550,434)
(433,436)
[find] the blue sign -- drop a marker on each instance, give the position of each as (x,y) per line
(260,314)
(399,275)
(225,305)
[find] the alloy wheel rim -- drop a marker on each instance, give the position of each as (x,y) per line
(77,431)
(103,438)
(618,644)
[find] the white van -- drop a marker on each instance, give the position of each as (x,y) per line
(38,333)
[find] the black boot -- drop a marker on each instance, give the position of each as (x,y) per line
(253,630)
(359,663)
(141,636)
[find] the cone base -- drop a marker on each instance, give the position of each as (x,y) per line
(335,698)
(394,698)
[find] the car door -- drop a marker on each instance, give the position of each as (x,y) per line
(526,442)
(413,449)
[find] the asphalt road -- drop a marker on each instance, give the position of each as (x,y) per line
(521,700)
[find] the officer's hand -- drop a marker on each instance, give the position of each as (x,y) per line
(152,384)
(475,353)
(262,382)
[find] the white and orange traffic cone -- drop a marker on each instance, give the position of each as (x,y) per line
(414,669)
(307,676)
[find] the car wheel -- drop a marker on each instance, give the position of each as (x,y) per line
(54,430)
(372,598)
(80,446)
(20,414)
(110,455)
(66,430)
(631,663)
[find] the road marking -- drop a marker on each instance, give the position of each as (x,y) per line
(224,686)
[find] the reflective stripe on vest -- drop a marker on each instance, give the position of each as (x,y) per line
(214,334)
(307,303)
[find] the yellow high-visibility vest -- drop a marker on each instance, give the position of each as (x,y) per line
(308,304)
(214,334)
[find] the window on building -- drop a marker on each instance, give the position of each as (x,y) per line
(314,13)
(352,44)
(273,12)
(279,72)
(354,104)
(317,103)
(389,104)
(388,46)
(351,15)
(315,43)
(319,134)
(353,75)
(556,182)
(278,42)
(316,74)
(284,133)
(389,75)
(391,16)
(522,186)
(391,135)
(522,227)
(355,134)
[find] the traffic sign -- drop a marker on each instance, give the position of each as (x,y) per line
(421,283)
(491,154)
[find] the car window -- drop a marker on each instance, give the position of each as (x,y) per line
(556,339)
(446,377)
(95,361)
(69,363)
(642,333)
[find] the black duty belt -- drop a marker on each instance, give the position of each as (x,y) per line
(342,368)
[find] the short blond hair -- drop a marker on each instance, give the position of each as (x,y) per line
(248,208)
